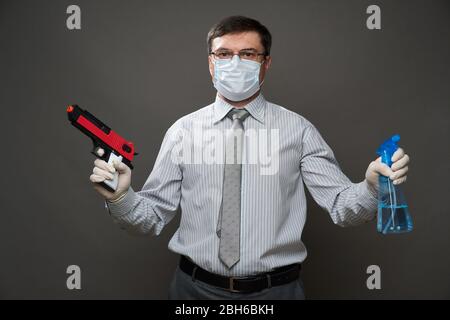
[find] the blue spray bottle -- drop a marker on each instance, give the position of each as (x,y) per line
(393,213)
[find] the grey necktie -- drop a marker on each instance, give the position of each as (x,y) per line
(229,224)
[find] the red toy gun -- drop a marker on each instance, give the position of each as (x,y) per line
(108,145)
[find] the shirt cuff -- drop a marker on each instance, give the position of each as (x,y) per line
(368,197)
(123,205)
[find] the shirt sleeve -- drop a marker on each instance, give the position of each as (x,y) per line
(149,210)
(347,203)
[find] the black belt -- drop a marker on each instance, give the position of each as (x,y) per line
(249,284)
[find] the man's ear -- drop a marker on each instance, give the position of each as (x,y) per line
(265,66)
(267,62)
(211,66)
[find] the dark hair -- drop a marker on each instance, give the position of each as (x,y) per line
(237,24)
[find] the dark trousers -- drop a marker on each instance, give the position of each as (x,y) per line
(183,288)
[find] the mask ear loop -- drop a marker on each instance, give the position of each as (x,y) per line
(260,85)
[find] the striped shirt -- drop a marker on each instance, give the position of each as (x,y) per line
(273,202)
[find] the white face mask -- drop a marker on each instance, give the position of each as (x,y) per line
(236,79)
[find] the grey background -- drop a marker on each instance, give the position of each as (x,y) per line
(140,65)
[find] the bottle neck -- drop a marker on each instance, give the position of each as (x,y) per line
(386,158)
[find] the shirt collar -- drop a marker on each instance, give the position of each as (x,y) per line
(255,108)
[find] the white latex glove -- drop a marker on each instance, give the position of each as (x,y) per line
(102,171)
(397,172)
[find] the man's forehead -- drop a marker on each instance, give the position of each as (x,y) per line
(238,41)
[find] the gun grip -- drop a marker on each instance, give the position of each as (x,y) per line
(111,185)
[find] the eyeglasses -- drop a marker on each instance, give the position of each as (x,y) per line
(243,54)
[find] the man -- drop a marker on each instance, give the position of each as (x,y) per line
(241,221)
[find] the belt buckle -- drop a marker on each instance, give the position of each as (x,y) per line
(231,285)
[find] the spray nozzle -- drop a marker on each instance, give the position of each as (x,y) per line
(387,149)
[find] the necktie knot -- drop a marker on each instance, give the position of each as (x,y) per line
(238,114)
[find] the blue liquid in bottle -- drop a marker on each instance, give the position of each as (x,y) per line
(393,212)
